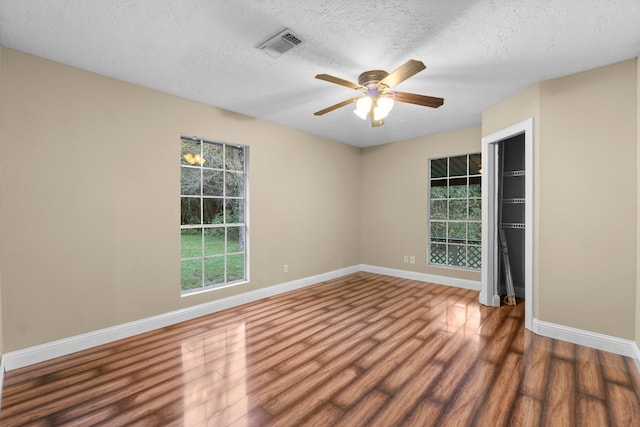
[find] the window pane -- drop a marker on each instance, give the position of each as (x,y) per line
(458,166)
(475,209)
(475,232)
(234,158)
(457,209)
(475,164)
(189,181)
(439,189)
(191,272)
(438,231)
(438,209)
(458,188)
(475,186)
(458,231)
(456,255)
(212,211)
(212,155)
(188,152)
(212,185)
(438,253)
(439,168)
(235,239)
(190,210)
(191,243)
(214,270)
(235,267)
(235,184)
(213,241)
(474,256)
(235,211)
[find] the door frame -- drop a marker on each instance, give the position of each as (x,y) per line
(489,279)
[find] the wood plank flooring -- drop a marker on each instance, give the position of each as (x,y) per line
(361,350)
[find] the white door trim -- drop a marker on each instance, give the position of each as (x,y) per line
(489,292)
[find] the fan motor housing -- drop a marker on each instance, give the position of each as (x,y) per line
(371,78)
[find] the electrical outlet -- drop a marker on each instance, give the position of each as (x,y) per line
(406,258)
(285,268)
(412,259)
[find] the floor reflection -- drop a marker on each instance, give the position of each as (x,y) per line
(362,350)
(215,370)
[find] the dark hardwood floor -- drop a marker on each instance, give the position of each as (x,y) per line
(362,350)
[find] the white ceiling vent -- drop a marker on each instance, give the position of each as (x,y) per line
(280,43)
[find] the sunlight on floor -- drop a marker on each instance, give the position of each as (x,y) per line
(215,378)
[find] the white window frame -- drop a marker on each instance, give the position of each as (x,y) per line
(224,225)
(446,243)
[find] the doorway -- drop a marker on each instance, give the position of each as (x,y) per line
(496,154)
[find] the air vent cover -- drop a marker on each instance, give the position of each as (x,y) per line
(280,43)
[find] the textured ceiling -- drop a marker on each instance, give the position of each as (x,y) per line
(477,52)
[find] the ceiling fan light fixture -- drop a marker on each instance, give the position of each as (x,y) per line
(361,114)
(383,106)
(363,106)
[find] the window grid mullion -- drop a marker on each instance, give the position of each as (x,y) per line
(203,273)
(224,242)
(454,247)
(224,207)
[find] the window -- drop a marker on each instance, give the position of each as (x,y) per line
(213,207)
(455,211)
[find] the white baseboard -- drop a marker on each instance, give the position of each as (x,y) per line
(595,340)
(40,353)
(636,355)
(2,371)
(423,277)
(493,302)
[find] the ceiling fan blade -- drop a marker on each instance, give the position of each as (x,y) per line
(403,72)
(337,80)
(412,98)
(335,106)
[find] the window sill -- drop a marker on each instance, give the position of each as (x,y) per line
(212,288)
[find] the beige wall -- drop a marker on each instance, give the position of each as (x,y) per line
(1,203)
(513,110)
(637,336)
(588,190)
(90,179)
(394,200)
(90,200)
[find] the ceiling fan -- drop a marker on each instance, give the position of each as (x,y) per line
(379,98)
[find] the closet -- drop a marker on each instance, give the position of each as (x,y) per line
(511,212)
